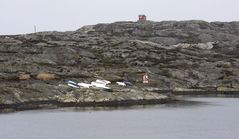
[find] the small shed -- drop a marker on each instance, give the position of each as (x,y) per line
(142,17)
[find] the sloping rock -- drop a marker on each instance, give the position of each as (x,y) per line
(175,54)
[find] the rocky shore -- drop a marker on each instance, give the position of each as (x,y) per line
(179,56)
(66,96)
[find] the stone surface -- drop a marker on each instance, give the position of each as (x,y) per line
(183,55)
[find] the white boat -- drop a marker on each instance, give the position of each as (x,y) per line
(103,81)
(72,85)
(99,85)
(84,85)
(121,83)
(72,82)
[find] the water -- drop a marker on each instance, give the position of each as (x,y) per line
(202,118)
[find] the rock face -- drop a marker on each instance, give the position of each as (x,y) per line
(176,55)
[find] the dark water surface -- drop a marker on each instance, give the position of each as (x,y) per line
(201,118)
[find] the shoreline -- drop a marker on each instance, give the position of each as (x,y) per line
(171,97)
(207,93)
(35,105)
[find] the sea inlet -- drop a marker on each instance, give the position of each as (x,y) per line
(193,118)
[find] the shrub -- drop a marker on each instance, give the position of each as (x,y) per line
(46,76)
(24,77)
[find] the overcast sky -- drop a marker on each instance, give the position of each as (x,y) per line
(20,16)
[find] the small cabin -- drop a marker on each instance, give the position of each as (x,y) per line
(142,17)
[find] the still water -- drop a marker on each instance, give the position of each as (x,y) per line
(199,118)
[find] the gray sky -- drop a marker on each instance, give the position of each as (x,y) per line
(20,16)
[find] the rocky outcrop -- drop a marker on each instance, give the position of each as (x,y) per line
(185,55)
